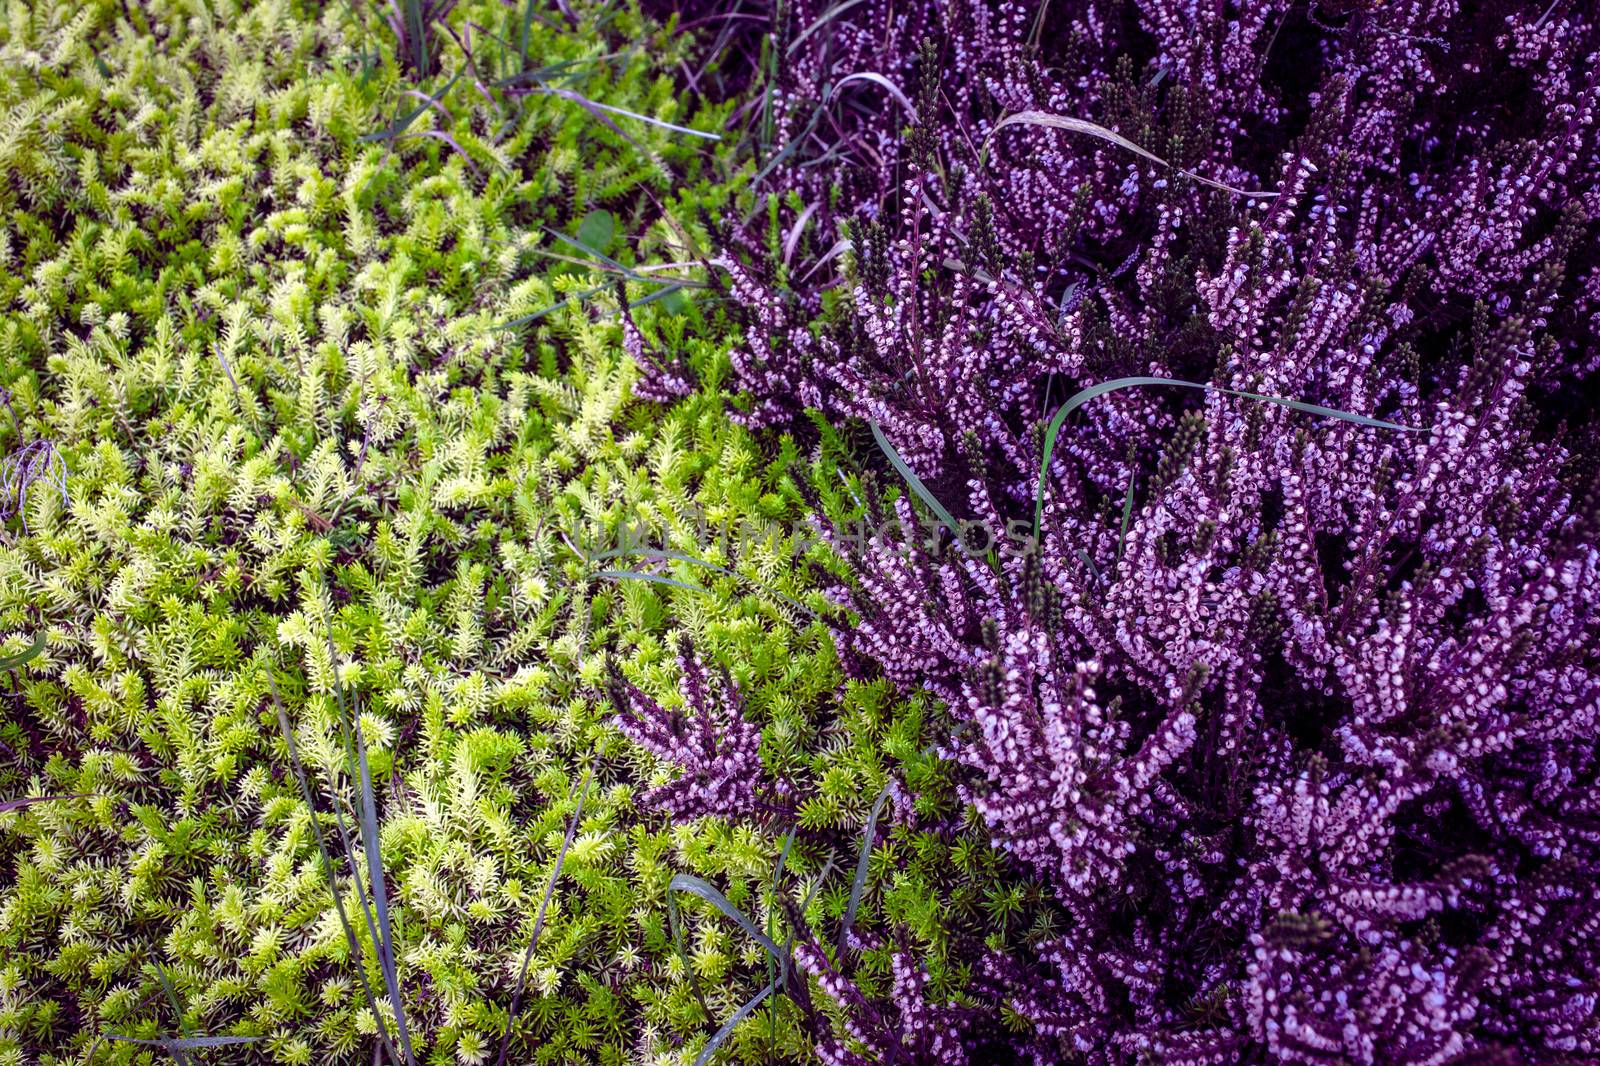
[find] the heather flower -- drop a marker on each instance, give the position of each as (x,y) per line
(715,745)
(661,380)
(904,1029)
(1304,744)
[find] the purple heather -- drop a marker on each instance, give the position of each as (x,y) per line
(1306,749)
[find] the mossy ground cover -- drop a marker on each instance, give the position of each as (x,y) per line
(268,353)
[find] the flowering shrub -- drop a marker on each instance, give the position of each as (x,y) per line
(1245,713)
(1296,716)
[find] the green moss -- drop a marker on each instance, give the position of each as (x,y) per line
(271,354)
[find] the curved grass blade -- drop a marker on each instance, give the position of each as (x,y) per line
(538,921)
(838,249)
(25,656)
(676,924)
(332,867)
(792,240)
(666,553)
(862,864)
(1093,391)
(877,79)
(822,20)
(27,801)
(915,482)
(707,891)
(403,123)
(732,1023)
(1078,125)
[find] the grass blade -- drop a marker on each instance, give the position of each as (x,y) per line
(877,79)
(538,921)
(596,108)
(777,882)
(535,316)
(331,867)
(25,656)
(1093,391)
(606,259)
(707,891)
(380,895)
(915,482)
(1127,516)
(732,1023)
(862,865)
(637,575)
(666,553)
(822,20)
(401,124)
(27,801)
(1078,125)
(676,924)
(177,1012)
(178,1045)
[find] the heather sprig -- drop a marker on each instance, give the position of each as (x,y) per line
(1230,602)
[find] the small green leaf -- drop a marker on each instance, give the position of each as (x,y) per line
(597,229)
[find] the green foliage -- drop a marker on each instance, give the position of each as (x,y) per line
(271,354)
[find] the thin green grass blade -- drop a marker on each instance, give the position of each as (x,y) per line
(527,24)
(707,891)
(380,894)
(353,855)
(542,75)
(822,20)
(28,801)
(177,1012)
(915,482)
(25,656)
(419,37)
(538,921)
(667,290)
(676,286)
(676,925)
(732,1023)
(331,867)
(403,123)
(655,579)
(667,553)
(525,319)
(862,865)
(1054,428)
(1078,125)
(176,1045)
(777,882)
(1127,516)
(591,250)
